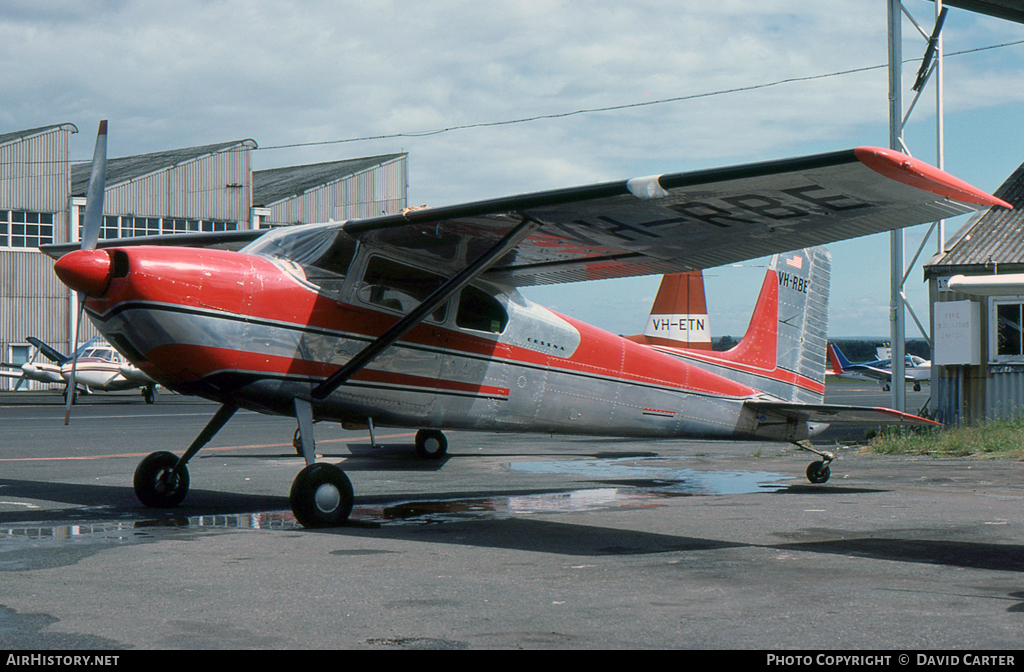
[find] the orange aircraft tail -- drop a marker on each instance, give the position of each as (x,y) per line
(679,316)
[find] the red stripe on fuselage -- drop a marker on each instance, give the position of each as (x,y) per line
(204,361)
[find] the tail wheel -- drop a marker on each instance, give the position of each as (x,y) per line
(431,444)
(158,484)
(321,496)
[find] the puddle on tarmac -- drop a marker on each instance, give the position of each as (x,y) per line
(662,474)
(646,482)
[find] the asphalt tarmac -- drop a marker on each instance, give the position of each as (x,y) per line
(532,542)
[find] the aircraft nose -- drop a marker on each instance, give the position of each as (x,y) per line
(85,271)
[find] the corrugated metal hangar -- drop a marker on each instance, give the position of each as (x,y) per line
(206,188)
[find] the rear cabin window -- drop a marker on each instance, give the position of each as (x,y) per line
(396,286)
(480,311)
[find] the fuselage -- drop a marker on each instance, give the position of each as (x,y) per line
(258,332)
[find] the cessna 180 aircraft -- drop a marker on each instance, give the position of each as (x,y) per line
(414,319)
(99,367)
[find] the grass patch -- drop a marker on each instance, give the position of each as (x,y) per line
(998,438)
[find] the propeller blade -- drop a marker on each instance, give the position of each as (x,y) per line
(94,196)
(69,391)
(90,237)
(31,360)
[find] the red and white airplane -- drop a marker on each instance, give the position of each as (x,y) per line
(99,368)
(414,319)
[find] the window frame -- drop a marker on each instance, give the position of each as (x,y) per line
(994,304)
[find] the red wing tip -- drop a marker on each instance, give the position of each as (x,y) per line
(918,174)
(103,128)
(907,416)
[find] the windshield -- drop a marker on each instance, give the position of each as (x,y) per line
(300,244)
(324,252)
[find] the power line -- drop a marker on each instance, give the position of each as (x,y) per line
(625,106)
(609,108)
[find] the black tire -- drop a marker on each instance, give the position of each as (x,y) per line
(149,394)
(818,472)
(157,484)
(431,444)
(321,496)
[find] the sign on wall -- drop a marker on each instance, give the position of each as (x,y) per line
(957,333)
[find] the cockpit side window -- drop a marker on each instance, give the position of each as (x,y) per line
(395,286)
(480,311)
(328,270)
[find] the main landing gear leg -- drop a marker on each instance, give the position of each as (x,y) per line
(161,479)
(321,494)
(817,472)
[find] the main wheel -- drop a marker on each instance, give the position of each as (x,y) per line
(321,496)
(149,394)
(818,472)
(431,444)
(158,484)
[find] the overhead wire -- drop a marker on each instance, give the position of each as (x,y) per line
(624,106)
(612,108)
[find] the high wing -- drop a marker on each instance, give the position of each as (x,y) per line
(683,221)
(659,224)
(225,240)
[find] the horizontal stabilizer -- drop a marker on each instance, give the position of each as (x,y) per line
(835,414)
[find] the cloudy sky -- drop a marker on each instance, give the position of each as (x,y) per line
(745,81)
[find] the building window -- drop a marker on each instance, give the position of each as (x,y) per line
(25,230)
(1009,330)
(128,226)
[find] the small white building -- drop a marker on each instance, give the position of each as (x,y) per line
(978,334)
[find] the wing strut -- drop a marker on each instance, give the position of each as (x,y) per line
(420,312)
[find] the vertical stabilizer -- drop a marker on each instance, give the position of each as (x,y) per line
(786,338)
(679,316)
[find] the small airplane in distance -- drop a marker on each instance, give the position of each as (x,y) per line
(99,368)
(415,320)
(917,370)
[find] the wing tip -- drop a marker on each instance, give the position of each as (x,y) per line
(918,174)
(909,417)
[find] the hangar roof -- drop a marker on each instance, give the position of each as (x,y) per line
(276,184)
(129,168)
(6,138)
(990,238)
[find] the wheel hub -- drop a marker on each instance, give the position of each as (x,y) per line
(327,497)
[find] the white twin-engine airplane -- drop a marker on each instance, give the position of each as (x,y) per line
(414,320)
(99,368)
